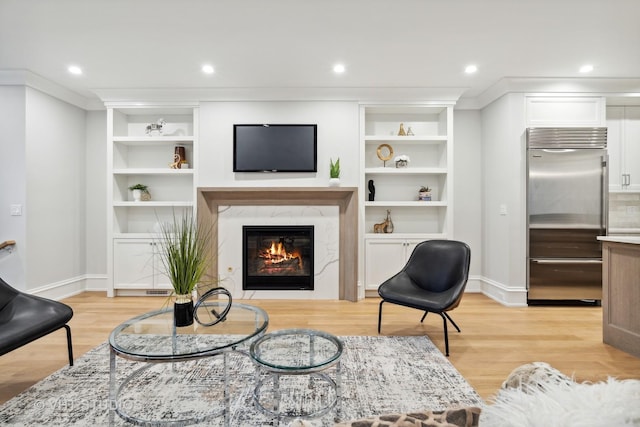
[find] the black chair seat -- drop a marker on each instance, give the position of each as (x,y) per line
(433,280)
(25,318)
(401,290)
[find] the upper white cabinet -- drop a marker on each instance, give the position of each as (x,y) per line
(137,153)
(428,144)
(584,111)
(623,145)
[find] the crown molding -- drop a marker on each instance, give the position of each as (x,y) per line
(358,94)
(35,81)
(615,89)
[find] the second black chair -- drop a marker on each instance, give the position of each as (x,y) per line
(433,280)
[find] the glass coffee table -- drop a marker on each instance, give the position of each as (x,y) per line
(292,378)
(152,338)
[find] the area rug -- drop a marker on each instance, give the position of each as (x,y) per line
(378,375)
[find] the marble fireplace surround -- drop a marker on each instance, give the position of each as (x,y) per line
(346,198)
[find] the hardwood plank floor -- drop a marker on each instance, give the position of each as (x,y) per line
(494,339)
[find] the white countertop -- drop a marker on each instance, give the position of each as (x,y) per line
(635,240)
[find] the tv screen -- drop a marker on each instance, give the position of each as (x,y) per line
(275,148)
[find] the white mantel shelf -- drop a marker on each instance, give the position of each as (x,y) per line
(346,198)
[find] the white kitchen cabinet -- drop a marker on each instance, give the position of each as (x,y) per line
(137,265)
(384,257)
(561,111)
(623,146)
(135,156)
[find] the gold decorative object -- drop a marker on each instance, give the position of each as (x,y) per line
(384,157)
(401,132)
(176,164)
(384,227)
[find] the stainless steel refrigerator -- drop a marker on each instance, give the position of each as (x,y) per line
(567,203)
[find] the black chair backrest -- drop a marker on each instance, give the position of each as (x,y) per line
(7,293)
(439,265)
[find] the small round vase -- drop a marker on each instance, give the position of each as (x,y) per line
(334,182)
(137,195)
(183,310)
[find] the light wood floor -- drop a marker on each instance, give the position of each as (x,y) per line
(494,339)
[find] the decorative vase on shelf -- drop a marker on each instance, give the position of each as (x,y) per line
(183,310)
(137,195)
(334,182)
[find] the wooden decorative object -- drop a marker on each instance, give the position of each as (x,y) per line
(384,227)
(384,157)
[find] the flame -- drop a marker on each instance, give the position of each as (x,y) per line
(277,254)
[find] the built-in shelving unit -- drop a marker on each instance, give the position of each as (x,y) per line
(430,150)
(137,156)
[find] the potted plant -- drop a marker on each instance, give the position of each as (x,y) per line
(334,172)
(184,251)
(424,193)
(137,191)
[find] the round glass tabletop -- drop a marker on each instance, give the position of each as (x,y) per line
(153,336)
(296,351)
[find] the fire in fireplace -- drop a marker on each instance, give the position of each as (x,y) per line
(277,257)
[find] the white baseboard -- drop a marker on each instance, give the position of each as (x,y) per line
(73,286)
(505,295)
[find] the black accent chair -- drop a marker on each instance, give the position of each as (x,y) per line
(25,318)
(433,280)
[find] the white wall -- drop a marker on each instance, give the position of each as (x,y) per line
(337,137)
(467,179)
(13,183)
(55,182)
(503,189)
(96,196)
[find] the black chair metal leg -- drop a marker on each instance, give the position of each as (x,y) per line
(446,334)
(425,315)
(69,347)
(380,315)
(452,322)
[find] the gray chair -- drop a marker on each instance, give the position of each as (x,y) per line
(25,318)
(433,280)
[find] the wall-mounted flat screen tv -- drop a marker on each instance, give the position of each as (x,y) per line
(275,148)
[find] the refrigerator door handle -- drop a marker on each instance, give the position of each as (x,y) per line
(567,261)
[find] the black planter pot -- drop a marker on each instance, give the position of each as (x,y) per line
(183,312)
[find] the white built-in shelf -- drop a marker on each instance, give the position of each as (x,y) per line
(392,236)
(153,204)
(417,138)
(396,203)
(140,140)
(405,171)
(152,171)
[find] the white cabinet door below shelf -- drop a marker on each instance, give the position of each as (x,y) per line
(136,265)
(384,258)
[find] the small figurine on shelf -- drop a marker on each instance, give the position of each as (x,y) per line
(372,191)
(402,132)
(409,131)
(384,227)
(155,127)
(402,161)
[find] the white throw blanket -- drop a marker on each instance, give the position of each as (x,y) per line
(609,403)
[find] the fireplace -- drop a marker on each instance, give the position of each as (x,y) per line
(277,257)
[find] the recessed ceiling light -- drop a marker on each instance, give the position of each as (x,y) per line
(207,69)
(74,69)
(470,69)
(587,68)
(338,68)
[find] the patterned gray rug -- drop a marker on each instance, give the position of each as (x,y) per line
(379,375)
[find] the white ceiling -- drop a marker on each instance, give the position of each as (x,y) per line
(151,44)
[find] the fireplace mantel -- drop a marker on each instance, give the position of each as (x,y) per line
(346,198)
